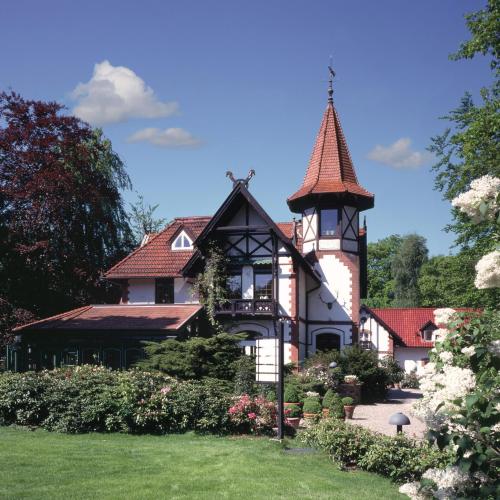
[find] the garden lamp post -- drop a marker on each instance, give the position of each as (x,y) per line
(332,365)
(399,419)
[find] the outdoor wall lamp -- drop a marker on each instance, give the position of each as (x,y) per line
(399,419)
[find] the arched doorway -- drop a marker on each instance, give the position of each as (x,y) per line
(327,342)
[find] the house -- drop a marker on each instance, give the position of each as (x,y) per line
(305,276)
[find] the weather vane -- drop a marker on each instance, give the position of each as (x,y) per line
(245,182)
(330,81)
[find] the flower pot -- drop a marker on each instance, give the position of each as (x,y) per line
(348,411)
(294,422)
(286,405)
(326,412)
(311,416)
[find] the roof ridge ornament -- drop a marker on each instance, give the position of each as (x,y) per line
(245,182)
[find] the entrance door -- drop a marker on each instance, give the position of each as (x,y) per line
(327,342)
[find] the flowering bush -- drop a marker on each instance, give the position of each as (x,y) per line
(461,407)
(253,415)
(488,271)
(481,202)
(92,398)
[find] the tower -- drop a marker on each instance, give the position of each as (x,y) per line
(329,201)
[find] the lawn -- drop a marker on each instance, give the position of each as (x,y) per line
(39,464)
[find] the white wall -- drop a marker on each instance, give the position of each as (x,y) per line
(379,335)
(141,291)
(410,358)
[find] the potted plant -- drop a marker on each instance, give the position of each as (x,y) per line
(348,407)
(327,399)
(291,396)
(336,407)
(312,408)
(293,414)
(351,379)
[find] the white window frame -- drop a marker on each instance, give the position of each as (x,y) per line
(183,238)
(428,332)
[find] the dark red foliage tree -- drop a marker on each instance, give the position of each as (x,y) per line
(62,219)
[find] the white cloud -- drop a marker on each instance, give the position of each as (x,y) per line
(115,94)
(399,155)
(168,138)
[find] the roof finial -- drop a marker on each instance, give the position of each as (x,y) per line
(330,81)
(245,182)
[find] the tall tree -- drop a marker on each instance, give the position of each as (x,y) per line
(380,281)
(62,219)
(143,220)
(405,269)
(448,281)
(468,148)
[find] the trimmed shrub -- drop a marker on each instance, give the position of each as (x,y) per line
(312,405)
(328,398)
(292,394)
(347,401)
(293,411)
(336,407)
(399,458)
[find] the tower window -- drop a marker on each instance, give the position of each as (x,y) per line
(263,285)
(329,222)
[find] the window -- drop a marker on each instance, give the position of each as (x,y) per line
(329,222)
(182,242)
(263,286)
(234,286)
(427,334)
(164,293)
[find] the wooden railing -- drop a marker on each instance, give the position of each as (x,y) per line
(253,307)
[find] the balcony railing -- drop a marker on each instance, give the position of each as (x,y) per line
(252,307)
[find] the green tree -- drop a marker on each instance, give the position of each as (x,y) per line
(468,148)
(405,269)
(143,220)
(196,357)
(380,281)
(448,281)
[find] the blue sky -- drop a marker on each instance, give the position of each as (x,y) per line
(238,85)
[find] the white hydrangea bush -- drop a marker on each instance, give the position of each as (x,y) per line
(488,271)
(461,407)
(482,201)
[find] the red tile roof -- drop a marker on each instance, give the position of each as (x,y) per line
(406,323)
(330,168)
(156,258)
(119,317)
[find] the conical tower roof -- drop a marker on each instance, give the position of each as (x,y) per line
(330,175)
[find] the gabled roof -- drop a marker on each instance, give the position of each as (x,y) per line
(331,171)
(156,258)
(118,317)
(226,211)
(407,323)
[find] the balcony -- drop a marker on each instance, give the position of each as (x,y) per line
(367,345)
(246,307)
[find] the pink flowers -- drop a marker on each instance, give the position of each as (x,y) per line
(165,390)
(254,415)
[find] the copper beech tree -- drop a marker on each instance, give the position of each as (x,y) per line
(62,217)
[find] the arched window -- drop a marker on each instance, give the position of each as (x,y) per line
(327,342)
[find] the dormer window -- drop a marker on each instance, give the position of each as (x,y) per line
(428,332)
(182,242)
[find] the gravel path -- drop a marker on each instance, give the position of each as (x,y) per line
(376,416)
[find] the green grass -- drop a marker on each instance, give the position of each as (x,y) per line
(42,465)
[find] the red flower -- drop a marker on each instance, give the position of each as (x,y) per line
(252,416)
